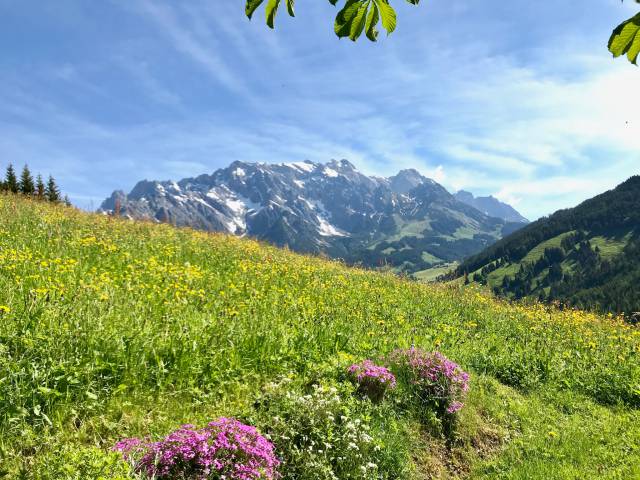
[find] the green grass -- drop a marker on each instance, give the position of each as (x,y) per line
(495,278)
(610,246)
(430,274)
(111,328)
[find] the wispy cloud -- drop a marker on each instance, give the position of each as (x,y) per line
(537,115)
(204,51)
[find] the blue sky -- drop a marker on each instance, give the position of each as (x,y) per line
(517,99)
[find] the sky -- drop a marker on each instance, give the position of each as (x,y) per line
(517,99)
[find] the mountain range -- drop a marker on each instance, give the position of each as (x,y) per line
(491,206)
(407,221)
(587,256)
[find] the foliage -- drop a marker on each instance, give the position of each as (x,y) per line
(327,433)
(358,16)
(625,39)
(74,462)
(111,329)
(40,189)
(52,192)
(10,183)
(434,383)
(225,448)
(574,272)
(27,187)
(372,380)
(353,19)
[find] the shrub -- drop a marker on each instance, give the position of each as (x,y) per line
(435,381)
(372,380)
(328,434)
(225,448)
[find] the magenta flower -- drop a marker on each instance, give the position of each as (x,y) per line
(225,448)
(436,378)
(372,380)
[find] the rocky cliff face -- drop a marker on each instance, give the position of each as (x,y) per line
(407,220)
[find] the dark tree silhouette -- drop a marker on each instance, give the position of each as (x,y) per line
(52,191)
(40,188)
(27,186)
(11,181)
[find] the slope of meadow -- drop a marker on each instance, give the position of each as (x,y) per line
(111,329)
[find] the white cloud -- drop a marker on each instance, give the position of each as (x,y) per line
(455,93)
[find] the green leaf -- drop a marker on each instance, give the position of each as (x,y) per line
(357,26)
(271,11)
(345,18)
(387,15)
(372,21)
(290,5)
(626,39)
(251,6)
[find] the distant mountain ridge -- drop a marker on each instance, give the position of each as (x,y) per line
(407,221)
(491,206)
(587,256)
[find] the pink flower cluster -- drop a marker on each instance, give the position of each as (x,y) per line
(369,371)
(437,378)
(225,448)
(372,380)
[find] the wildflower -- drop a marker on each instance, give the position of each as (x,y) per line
(436,378)
(372,380)
(225,448)
(4,309)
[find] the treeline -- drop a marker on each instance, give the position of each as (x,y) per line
(611,284)
(27,185)
(615,209)
(576,274)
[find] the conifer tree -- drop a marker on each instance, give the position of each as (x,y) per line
(52,193)
(67,201)
(11,181)
(40,188)
(26,182)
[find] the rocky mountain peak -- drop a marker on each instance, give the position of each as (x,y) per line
(491,206)
(319,207)
(406,180)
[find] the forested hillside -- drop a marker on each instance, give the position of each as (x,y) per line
(587,256)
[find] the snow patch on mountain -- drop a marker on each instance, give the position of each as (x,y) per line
(304,166)
(328,230)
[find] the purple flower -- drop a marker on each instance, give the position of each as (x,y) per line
(225,448)
(372,380)
(454,407)
(434,376)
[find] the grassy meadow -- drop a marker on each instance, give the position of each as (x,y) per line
(112,329)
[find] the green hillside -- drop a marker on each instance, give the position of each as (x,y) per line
(587,256)
(112,329)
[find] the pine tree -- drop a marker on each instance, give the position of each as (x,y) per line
(52,193)
(26,182)
(67,201)
(11,182)
(40,188)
